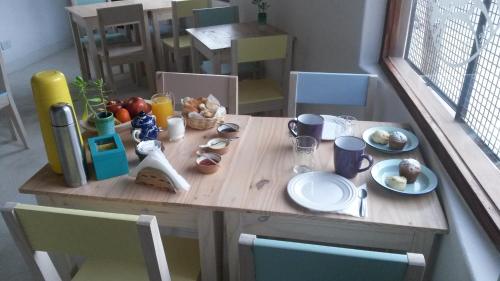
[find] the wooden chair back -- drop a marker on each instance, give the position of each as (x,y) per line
(216,16)
(267,259)
(333,93)
(38,230)
(223,87)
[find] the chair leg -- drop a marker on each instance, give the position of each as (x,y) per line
(168,57)
(18,124)
(110,81)
(85,56)
(131,67)
(121,69)
(148,65)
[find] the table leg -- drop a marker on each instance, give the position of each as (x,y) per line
(195,58)
(93,52)
(160,60)
(85,71)
(423,244)
(216,63)
(210,241)
(232,231)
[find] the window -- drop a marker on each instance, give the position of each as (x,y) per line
(443,59)
(455,46)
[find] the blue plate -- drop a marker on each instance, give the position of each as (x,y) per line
(426,182)
(410,145)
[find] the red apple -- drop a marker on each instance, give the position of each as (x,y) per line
(113,106)
(135,105)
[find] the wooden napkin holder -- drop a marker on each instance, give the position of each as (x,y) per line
(155,178)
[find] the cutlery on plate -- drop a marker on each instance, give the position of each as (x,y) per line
(362,194)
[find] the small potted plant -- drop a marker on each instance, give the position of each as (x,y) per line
(93,95)
(262,7)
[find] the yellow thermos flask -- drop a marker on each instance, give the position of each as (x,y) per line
(49,87)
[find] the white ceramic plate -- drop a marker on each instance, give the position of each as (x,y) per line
(410,145)
(425,183)
(321,191)
(333,127)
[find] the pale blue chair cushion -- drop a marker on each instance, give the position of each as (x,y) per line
(112,37)
(332,88)
(88,2)
(290,261)
(216,16)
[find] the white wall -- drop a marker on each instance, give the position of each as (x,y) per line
(36,28)
(346,36)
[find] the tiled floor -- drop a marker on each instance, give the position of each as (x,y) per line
(18,164)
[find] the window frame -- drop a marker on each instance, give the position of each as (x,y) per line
(447,136)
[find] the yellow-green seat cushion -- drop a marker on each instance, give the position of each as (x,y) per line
(184,41)
(109,270)
(182,256)
(253,91)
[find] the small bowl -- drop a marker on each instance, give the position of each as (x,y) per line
(205,166)
(143,148)
(217,145)
(228,130)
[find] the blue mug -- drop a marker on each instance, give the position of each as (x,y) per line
(349,153)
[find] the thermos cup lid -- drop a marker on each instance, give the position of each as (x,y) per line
(61,114)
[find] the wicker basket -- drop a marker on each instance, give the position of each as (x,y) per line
(203,123)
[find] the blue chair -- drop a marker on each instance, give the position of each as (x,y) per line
(332,93)
(218,16)
(273,260)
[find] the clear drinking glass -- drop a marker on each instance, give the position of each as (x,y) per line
(350,124)
(304,152)
(163,107)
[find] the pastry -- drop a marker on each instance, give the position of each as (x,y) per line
(380,137)
(397,140)
(410,169)
(396,182)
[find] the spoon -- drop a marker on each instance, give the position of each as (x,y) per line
(207,157)
(362,193)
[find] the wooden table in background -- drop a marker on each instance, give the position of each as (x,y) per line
(250,191)
(85,17)
(214,42)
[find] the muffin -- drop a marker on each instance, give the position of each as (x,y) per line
(380,137)
(410,169)
(397,140)
(396,182)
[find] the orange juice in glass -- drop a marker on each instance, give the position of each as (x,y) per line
(163,107)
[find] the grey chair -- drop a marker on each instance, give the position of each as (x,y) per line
(7,104)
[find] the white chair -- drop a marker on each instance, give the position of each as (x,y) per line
(223,87)
(275,260)
(7,103)
(129,53)
(332,93)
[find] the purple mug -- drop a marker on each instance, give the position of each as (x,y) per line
(307,125)
(349,152)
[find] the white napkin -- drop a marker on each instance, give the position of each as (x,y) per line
(157,160)
(353,208)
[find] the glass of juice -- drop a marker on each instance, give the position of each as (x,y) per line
(163,106)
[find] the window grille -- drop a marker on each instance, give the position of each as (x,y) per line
(455,46)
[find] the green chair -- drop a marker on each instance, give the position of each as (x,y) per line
(274,260)
(180,45)
(262,95)
(115,246)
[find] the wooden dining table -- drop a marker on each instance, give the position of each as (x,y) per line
(214,42)
(248,195)
(84,17)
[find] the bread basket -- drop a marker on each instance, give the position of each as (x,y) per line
(203,123)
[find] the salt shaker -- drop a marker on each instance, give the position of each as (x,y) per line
(69,147)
